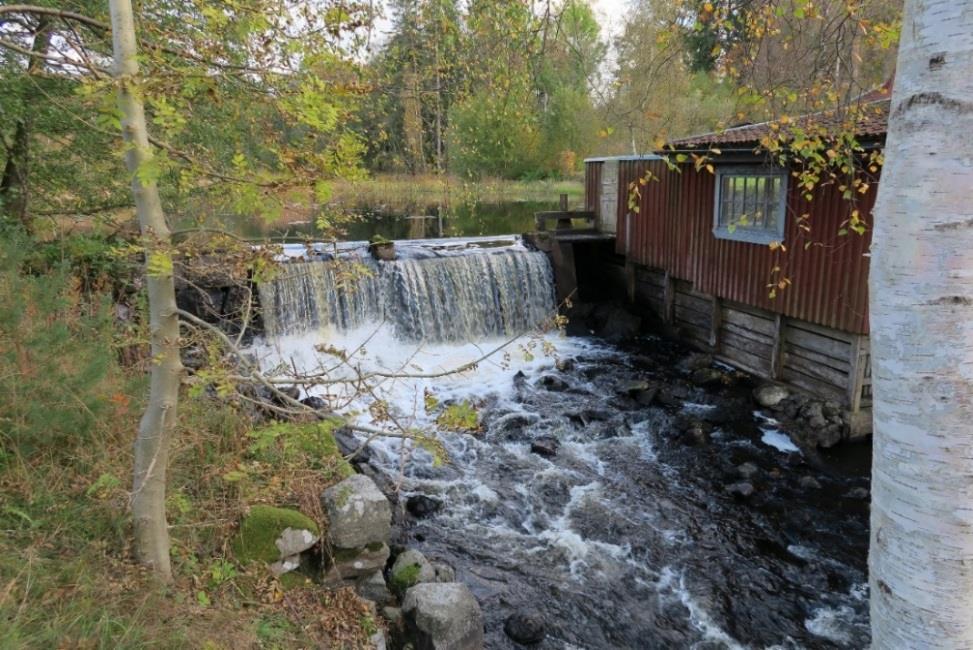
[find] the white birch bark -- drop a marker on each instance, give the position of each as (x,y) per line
(921,556)
(159,419)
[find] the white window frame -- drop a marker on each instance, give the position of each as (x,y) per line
(750,234)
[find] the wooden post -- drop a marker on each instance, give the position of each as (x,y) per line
(630,277)
(856,375)
(565,270)
(715,323)
(669,299)
(564,203)
(777,353)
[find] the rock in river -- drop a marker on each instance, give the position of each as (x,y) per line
(747,470)
(707,377)
(419,505)
(809,483)
(553,383)
(525,628)
(546,446)
(410,568)
(770,395)
(740,490)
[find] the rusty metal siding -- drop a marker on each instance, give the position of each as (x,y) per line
(592,182)
(673,231)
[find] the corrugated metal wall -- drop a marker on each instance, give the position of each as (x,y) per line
(673,231)
(592,181)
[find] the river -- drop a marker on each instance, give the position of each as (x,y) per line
(635,534)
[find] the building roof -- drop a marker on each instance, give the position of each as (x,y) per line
(869,114)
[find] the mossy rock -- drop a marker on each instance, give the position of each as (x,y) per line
(409,569)
(404,578)
(260,529)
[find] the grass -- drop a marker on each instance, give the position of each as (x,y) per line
(67,577)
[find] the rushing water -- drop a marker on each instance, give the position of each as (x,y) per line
(627,538)
(444,298)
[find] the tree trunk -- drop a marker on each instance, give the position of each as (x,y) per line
(412,120)
(14,181)
(159,419)
(921,555)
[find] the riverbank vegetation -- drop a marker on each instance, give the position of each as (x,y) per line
(73,363)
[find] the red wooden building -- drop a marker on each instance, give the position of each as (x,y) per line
(698,252)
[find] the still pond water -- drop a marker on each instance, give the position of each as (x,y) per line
(413,222)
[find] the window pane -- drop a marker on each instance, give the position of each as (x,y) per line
(750,202)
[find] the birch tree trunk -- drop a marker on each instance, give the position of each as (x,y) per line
(159,419)
(921,555)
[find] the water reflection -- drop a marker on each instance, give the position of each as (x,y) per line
(410,222)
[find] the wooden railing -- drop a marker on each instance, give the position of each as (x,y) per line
(563,219)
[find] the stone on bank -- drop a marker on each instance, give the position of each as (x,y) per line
(358,512)
(360,520)
(410,568)
(443,616)
(275,536)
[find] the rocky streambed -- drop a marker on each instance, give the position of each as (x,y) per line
(636,496)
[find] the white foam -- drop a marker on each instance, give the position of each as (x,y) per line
(763,417)
(577,548)
(778,440)
(483,493)
(674,582)
(802,552)
(375,349)
(695,407)
(832,623)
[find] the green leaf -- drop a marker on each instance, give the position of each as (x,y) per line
(159,264)
(234,476)
(103,485)
(322,191)
(149,171)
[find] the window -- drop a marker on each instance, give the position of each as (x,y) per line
(750,204)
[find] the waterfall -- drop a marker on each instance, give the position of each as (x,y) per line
(452,298)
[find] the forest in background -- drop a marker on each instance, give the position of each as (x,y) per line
(468,89)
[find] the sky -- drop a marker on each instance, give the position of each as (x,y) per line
(610,13)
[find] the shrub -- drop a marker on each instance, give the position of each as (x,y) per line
(55,356)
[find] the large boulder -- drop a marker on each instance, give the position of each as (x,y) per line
(443,616)
(358,512)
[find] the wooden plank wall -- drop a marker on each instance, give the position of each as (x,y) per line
(823,361)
